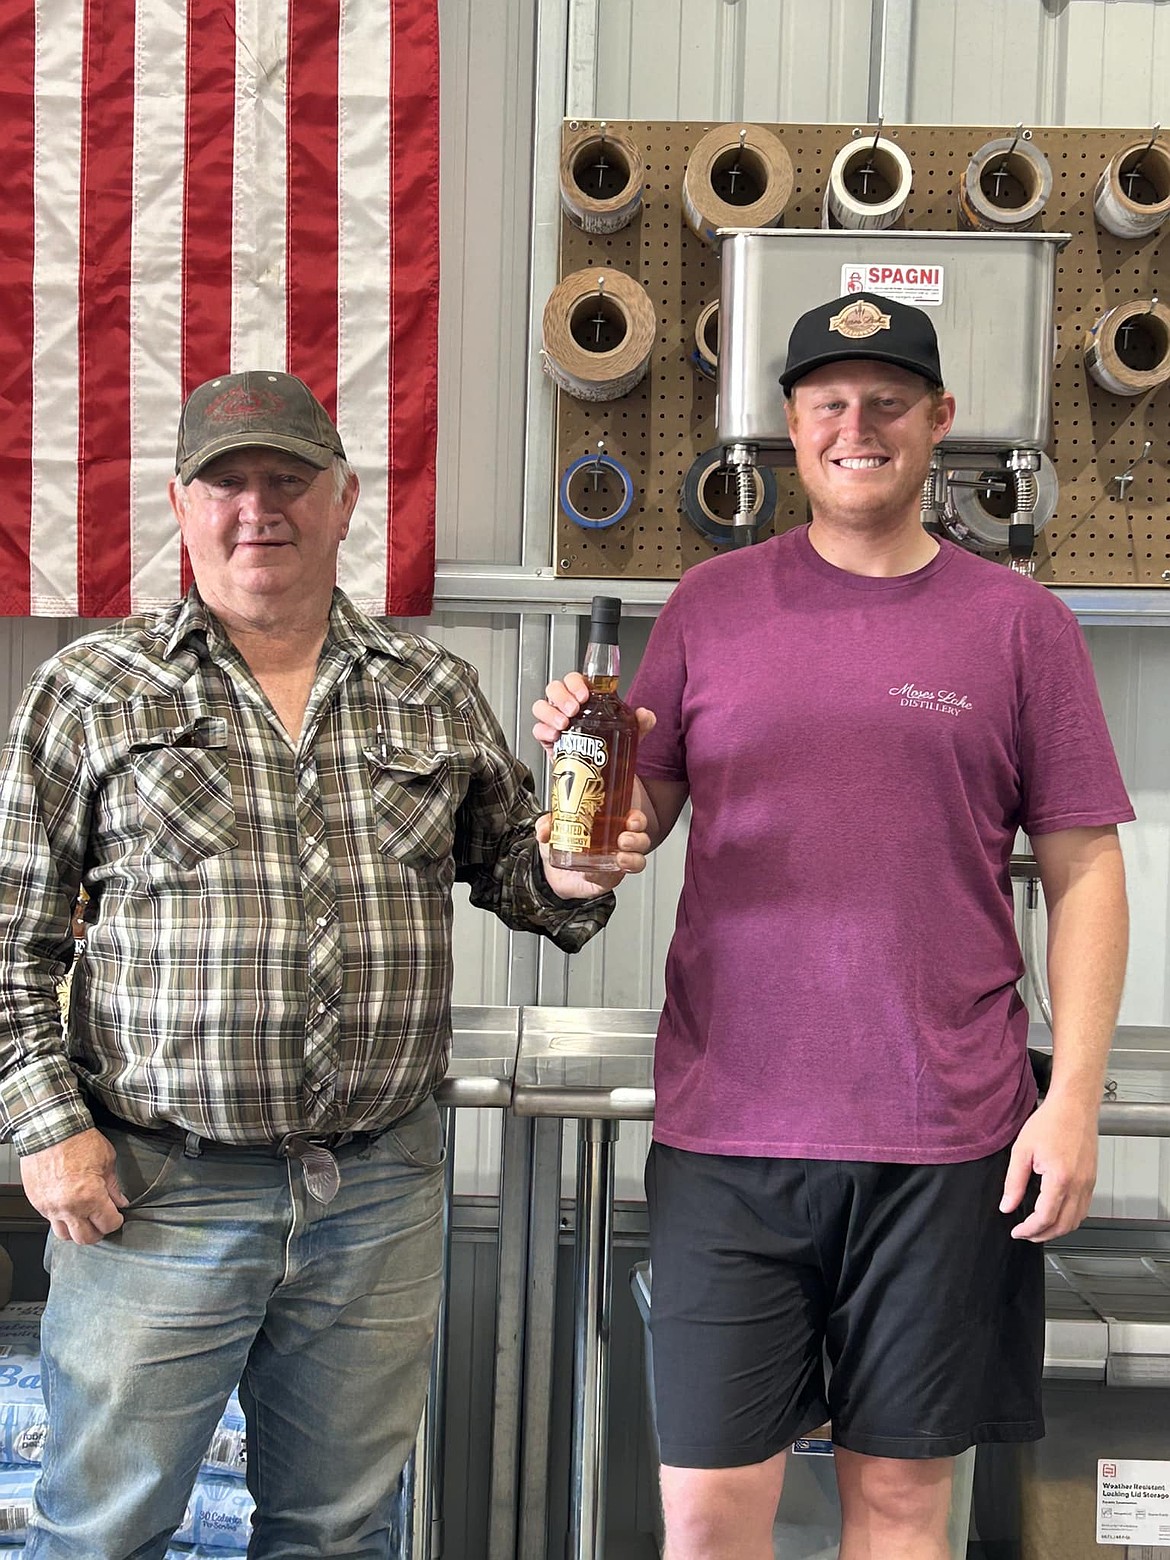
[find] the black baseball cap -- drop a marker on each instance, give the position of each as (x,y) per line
(260,407)
(862,325)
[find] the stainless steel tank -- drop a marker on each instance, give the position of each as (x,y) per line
(991,297)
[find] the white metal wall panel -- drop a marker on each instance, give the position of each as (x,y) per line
(805,61)
(1088,62)
(24,644)
(485,174)
(983,62)
(1117,60)
(711,59)
(1133,673)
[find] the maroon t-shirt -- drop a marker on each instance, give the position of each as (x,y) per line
(860,754)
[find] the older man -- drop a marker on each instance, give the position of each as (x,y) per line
(267,797)
(848,1159)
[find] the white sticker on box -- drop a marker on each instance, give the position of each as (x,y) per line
(1133,1502)
(906,280)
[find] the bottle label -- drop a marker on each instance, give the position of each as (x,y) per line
(578,789)
(579,744)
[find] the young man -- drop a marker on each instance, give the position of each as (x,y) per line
(848,1158)
(267,796)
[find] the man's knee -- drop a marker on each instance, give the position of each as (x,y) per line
(909,1493)
(721,1511)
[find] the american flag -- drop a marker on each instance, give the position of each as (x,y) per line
(199,185)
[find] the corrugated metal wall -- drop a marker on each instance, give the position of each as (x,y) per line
(485,179)
(1047,62)
(984,61)
(708,59)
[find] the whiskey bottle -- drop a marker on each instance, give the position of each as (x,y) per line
(593,760)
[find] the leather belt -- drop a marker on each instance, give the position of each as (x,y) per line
(315,1151)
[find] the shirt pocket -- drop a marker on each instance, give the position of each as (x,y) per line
(183,783)
(415,802)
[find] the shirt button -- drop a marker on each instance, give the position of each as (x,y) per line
(310,839)
(178,772)
(322,920)
(322,1008)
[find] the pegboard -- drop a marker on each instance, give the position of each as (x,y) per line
(656,431)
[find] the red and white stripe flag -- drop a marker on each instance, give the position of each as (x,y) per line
(192,186)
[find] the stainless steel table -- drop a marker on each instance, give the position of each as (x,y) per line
(1137,1082)
(594,1065)
(483,1061)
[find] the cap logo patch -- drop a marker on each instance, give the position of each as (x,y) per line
(237,405)
(859,320)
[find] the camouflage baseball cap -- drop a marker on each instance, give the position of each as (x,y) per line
(256,408)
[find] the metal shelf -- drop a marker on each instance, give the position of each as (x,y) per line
(503,587)
(1119,607)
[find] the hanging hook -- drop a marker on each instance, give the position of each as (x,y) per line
(1001,172)
(1154,133)
(1124,478)
(877,134)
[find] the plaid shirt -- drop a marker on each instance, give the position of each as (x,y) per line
(270,939)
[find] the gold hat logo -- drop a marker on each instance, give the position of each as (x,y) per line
(859,320)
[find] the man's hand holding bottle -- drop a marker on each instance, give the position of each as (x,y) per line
(626,852)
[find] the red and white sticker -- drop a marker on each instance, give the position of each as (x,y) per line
(905,280)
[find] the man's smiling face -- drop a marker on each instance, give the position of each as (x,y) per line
(863,433)
(262,527)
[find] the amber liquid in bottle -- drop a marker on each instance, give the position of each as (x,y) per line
(593,761)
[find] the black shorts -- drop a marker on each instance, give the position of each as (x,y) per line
(900,1284)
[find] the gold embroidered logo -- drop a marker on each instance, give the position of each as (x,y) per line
(859,320)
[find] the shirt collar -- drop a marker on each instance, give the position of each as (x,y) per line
(347,626)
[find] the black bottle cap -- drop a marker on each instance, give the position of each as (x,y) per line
(604,616)
(606,609)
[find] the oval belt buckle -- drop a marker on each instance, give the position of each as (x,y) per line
(322,1176)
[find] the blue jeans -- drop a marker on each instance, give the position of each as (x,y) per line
(227,1270)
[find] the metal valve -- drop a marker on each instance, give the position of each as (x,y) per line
(741,459)
(934,496)
(1023,464)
